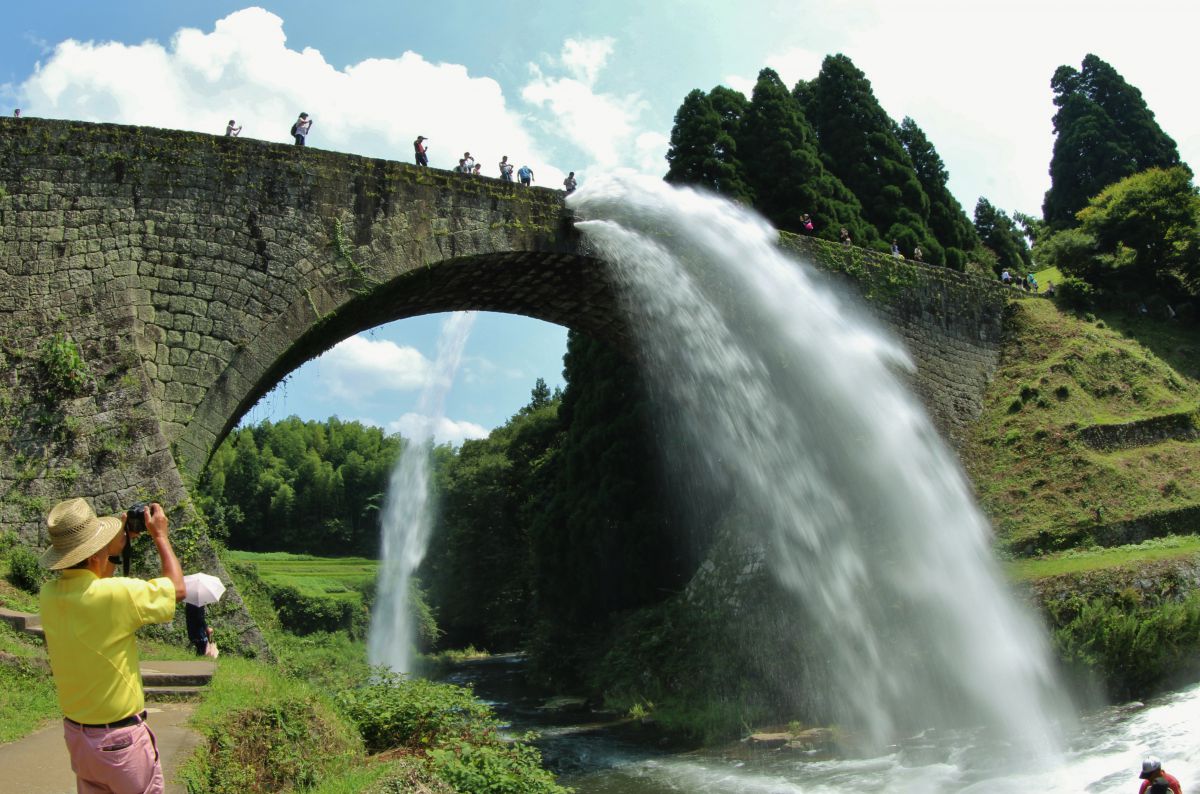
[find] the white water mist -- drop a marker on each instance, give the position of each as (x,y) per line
(786,391)
(407,513)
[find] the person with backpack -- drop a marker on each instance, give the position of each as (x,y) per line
(300,129)
(525,174)
(1155,780)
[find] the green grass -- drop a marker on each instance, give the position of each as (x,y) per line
(1047,275)
(336,577)
(1096,559)
(27,697)
(1041,485)
(12,597)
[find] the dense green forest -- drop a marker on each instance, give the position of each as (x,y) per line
(552,534)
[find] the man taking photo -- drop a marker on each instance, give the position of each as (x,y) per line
(90,618)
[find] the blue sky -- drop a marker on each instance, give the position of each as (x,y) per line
(583,86)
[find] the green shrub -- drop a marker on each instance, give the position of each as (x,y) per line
(494,769)
(301,613)
(396,712)
(265,732)
(266,749)
(24,571)
(1134,648)
(66,373)
(1075,293)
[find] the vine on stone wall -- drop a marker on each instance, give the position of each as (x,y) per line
(341,248)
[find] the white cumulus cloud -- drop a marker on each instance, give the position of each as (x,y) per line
(359,367)
(605,126)
(243,69)
(445,430)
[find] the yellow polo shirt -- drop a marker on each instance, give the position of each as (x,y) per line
(90,625)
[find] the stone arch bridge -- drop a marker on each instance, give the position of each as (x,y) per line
(156,283)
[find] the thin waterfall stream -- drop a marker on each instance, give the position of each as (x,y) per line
(407,518)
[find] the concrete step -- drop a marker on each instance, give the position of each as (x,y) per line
(159,694)
(177,673)
(23,621)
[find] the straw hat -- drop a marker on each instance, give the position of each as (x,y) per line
(76,533)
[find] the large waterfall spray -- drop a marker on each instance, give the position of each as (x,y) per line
(407,514)
(786,391)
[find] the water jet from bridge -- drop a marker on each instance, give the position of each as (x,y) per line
(788,391)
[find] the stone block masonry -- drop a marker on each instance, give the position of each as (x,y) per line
(154,284)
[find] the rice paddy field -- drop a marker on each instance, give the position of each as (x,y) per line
(328,577)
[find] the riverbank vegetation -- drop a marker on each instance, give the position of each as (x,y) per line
(322,720)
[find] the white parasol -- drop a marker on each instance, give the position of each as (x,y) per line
(202,589)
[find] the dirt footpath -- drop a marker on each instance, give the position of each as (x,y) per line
(38,764)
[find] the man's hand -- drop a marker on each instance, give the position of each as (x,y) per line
(156,521)
(156,525)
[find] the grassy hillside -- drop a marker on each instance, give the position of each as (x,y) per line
(331,577)
(1062,381)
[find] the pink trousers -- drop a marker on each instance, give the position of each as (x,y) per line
(114,760)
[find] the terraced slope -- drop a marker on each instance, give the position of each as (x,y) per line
(1089,436)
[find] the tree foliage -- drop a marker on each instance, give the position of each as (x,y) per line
(300,486)
(478,568)
(1139,235)
(1104,132)
(861,146)
(602,538)
(703,149)
(947,220)
(783,165)
(999,234)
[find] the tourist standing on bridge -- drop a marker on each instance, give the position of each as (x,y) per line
(232,130)
(90,618)
(506,169)
(421,150)
(300,129)
(525,175)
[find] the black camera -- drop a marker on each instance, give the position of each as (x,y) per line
(135,518)
(135,521)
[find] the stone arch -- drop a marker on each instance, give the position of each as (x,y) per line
(565,289)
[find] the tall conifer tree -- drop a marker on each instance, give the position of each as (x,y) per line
(947,220)
(998,232)
(703,150)
(861,147)
(779,151)
(1104,133)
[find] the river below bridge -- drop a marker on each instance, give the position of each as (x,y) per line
(601,753)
